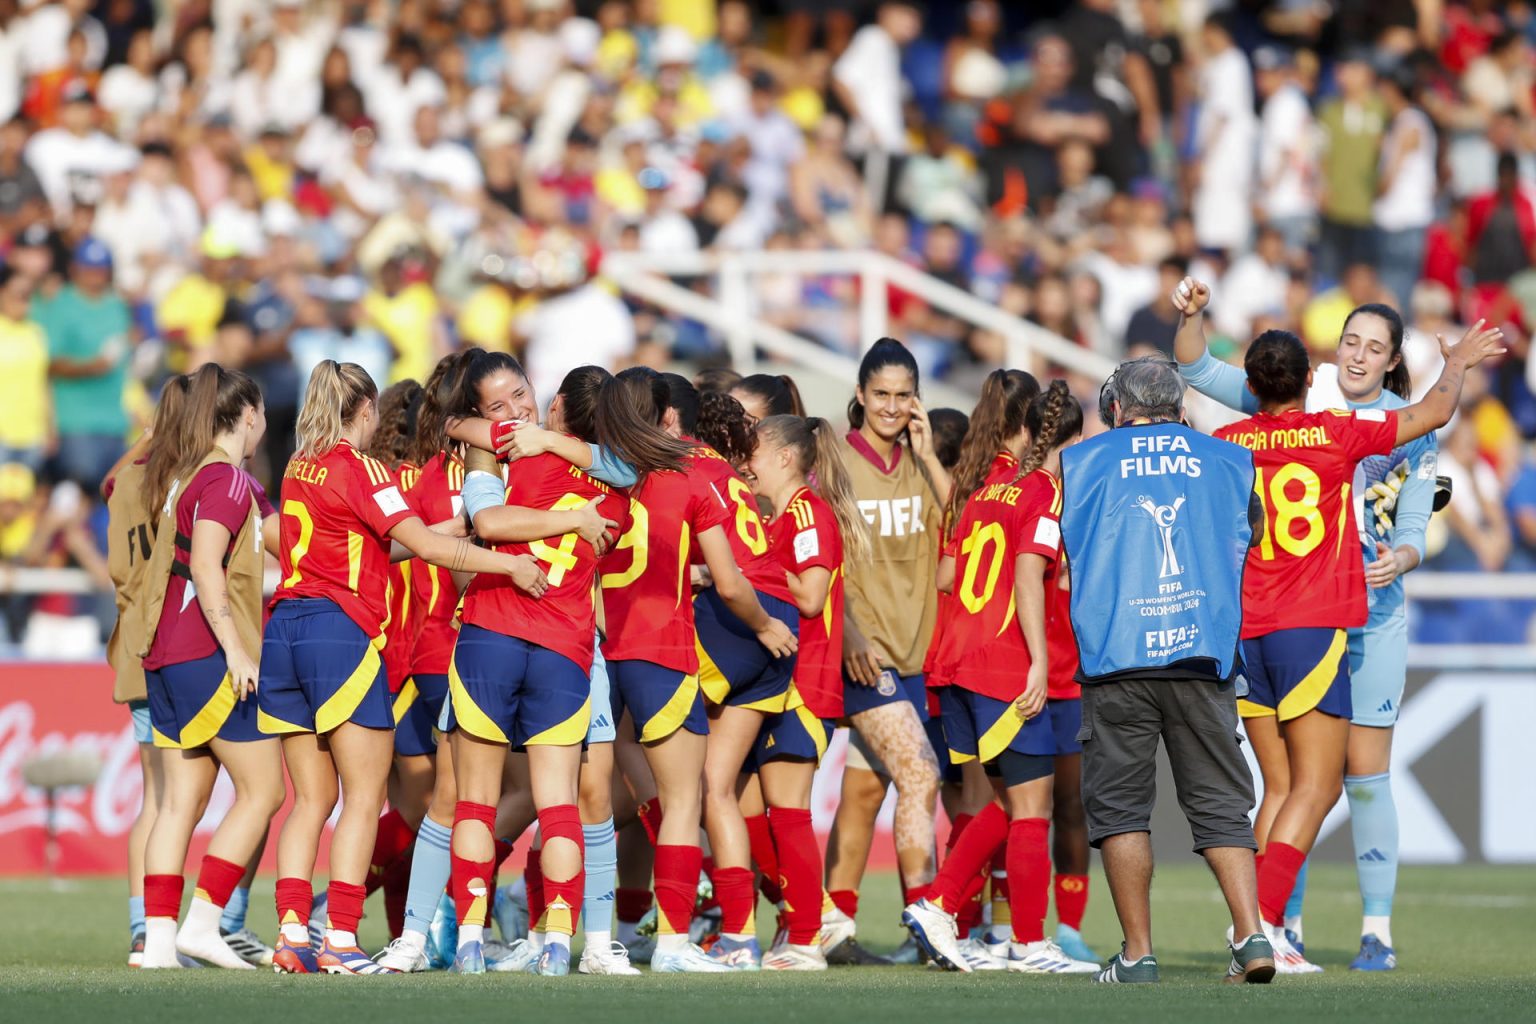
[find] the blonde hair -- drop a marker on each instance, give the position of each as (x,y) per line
(335,393)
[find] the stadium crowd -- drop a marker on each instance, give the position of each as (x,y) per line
(272,184)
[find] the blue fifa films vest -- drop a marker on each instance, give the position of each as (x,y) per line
(1155,523)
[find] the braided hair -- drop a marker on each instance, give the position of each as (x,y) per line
(1053,419)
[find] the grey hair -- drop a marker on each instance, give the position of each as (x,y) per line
(1149,387)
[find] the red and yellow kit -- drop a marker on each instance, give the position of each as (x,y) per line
(1060,642)
(983,643)
(337,512)
(435,493)
(647,597)
(564,620)
(805,536)
(400,631)
(1307,571)
(745,530)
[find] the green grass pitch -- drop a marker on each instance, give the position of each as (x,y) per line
(1464,935)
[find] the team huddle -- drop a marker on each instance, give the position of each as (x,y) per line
(626,620)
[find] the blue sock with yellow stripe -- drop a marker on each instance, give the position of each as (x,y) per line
(431,864)
(602,849)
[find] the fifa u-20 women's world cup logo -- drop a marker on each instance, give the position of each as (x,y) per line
(1164,516)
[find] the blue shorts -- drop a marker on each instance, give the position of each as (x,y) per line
(1066,717)
(1293,671)
(982,727)
(794,734)
(138,712)
(319,670)
(893,687)
(192,703)
(660,700)
(734,668)
(604,727)
(504,689)
(949,771)
(418,706)
(1378,668)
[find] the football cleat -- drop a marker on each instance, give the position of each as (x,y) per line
(1374,955)
(1253,962)
(294,958)
(1071,942)
(510,911)
(613,960)
(555,961)
(348,960)
(1045,957)
(443,933)
(404,956)
(979,957)
(136,950)
(789,957)
(737,954)
(205,944)
(1287,960)
(850,953)
(521,957)
(836,929)
(470,959)
(317,917)
(909,954)
(249,947)
(934,931)
(686,959)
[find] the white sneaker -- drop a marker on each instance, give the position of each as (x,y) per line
(934,930)
(613,960)
(980,957)
(790,957)
(1287,960)
(1045,957)
(687,959)
(836,929)
(209,947)
(249,947)
(522,958)
(404,955)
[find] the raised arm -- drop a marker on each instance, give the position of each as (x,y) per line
(1437,407)
(1201,370)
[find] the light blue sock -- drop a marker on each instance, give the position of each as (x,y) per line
(234,911)
(1373,820)
(602,867)
(1293,905)
(135,916)
(431,864)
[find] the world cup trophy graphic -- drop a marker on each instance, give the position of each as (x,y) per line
(1164,516)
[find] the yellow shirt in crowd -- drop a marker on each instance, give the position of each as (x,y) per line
(23,384)
(407,319)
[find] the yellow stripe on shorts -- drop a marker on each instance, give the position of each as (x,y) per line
(407,696)
(466,712)
(1311,690)
(339,707)
(673,713)
(999,734)
(711,680)
(205,725)
(567,733)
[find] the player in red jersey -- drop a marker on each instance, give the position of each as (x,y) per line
(322,683)
(806,537)
(203,624)
(1304,585)
(1069,825)
(1009,538)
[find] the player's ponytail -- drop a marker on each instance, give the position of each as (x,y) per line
(335,395)
(683,399)
(628,423)
(578,396)
(214,402)
(778,393)
(1277,366)
(398,405)
(436,403)
(1006,396)
(814,443)
(165,442)
(723,426)
(1053,419)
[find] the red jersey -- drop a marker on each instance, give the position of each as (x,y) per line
(647,597)
(219,493)
(337,512)
(748,536)
(1002,521)
(400,630)
(1307,570)
(435,493)
(564,620)
(805,536)
(1060,642)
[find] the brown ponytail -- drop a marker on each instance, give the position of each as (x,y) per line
(1053,419)
(393,440)
(164,442)
(437,398)
(1006,396)
(335,394)
(627,422)
(814,443)
(214,401)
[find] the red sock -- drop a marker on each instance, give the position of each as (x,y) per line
(162,895)
(503,851)
(764,854)
(913,893)
(216,879)
(533,884)
(295,900)
(800,865)
(1276,880)
(394,838)
(973,851)
(1029,877)
(1258,864)
(344,906)
(470,881)
(650,820)
(562,899)
(677,886)
(630,905)
(972,904)
(397,886)
(737,894)
(1071,900)
(846,900)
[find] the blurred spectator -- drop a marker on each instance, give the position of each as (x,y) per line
(403,307)
(27,428)
(940,183)
(867,78)
(1224,140)
(1478,534)
(1255,285)
(1287,172)
(973,74)
(826,190)
(1501,229)
(1323,319)
(68,158)
(1352,124)
(1152,327)
(1405,203)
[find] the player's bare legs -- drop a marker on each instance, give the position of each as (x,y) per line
(732,732)
(896,736)
(362,757)
(153,773)
(1274,767)
(853,829)
(1316,744)
(411,786)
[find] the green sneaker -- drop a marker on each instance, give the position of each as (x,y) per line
(1253,962)
(1121,971)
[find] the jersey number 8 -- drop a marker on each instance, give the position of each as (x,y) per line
(1288,511)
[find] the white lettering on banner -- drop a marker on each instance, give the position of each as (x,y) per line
(894,517)
(1148,458)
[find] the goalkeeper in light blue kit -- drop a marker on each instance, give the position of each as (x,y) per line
(1394,497)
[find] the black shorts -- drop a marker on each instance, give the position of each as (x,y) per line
(1197,723)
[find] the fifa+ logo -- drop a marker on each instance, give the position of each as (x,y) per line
(1164,517)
